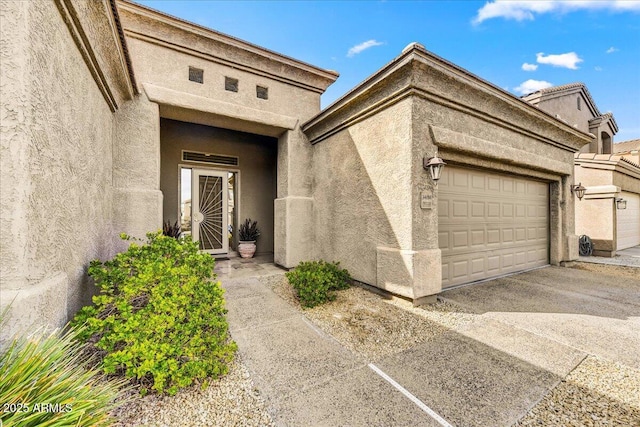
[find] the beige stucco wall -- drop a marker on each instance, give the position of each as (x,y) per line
(566,107)
(369,179)
(362,197)
(170,69)
(605,178)
(163,49)
(137,204)
(257,164)
(57,134)
(604,170)
(595,217)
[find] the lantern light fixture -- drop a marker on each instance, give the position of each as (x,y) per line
(434,165)
(578,190)
(621,203)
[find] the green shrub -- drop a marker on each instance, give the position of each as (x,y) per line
(316,281)
(43,383)
(159,318)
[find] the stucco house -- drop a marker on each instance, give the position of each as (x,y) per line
(629,150)
(116,118)
(609,213)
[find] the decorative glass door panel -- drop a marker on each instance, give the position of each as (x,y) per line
(209,219)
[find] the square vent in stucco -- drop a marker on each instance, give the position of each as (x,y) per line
(196,75)
(262,92)
(209,158)
(230,84)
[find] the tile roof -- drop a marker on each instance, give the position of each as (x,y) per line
(604,158)
(561,87)
(570,86)
(587,94)
(626,146)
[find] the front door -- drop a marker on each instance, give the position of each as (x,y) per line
(209,218)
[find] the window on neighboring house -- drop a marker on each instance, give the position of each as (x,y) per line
(230,84)
(579,103)
(196,75)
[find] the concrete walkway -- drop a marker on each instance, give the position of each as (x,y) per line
(485,374)
(306,376)
(627,257)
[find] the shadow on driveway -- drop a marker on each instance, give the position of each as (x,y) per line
(596,313)
(531,331)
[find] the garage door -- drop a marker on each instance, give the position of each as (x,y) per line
(490,224)
(629,221)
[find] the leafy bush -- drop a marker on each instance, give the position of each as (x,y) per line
(316,281)
(44,383)
(248,231)
(159,318)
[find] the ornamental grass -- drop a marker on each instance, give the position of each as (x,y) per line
(44,382)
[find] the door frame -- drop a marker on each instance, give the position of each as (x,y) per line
(237,192)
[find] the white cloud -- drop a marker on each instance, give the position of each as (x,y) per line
(598,68)
(526,10)
(531,86)
(362,46)
(529,67)
(612,49)
(568,60)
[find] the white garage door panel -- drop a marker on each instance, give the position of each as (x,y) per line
(629,222)
(490,224)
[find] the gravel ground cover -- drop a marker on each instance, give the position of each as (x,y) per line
(230,401)
(612,270)
(372,326)
(597,393)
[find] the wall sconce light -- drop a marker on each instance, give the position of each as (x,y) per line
(434,165)
(621,203)
(578,190)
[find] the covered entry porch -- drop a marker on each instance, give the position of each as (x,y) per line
(213,179)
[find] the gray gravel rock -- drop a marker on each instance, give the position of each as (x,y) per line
(597,393)
(229,401)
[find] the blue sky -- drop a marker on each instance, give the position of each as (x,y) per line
(520,46)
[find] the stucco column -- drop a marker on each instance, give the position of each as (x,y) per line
(137,197)
(293,208)
(413,269)
(556,207)
(571,251)
(563,240)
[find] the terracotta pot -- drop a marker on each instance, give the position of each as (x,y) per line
(247,249)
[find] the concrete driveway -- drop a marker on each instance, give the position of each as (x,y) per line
(596,313)
(529,331)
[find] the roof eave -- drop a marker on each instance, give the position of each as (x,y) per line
(416,51)
(327,76)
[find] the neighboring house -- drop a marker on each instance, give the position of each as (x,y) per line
(116,118)
(610,172)
(572,103)
(629,150)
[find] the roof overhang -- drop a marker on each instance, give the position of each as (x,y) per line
(611,162)
(155,27)
(186,107)
(606,119)
(404,76)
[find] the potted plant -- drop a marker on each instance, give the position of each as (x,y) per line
(248,234)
